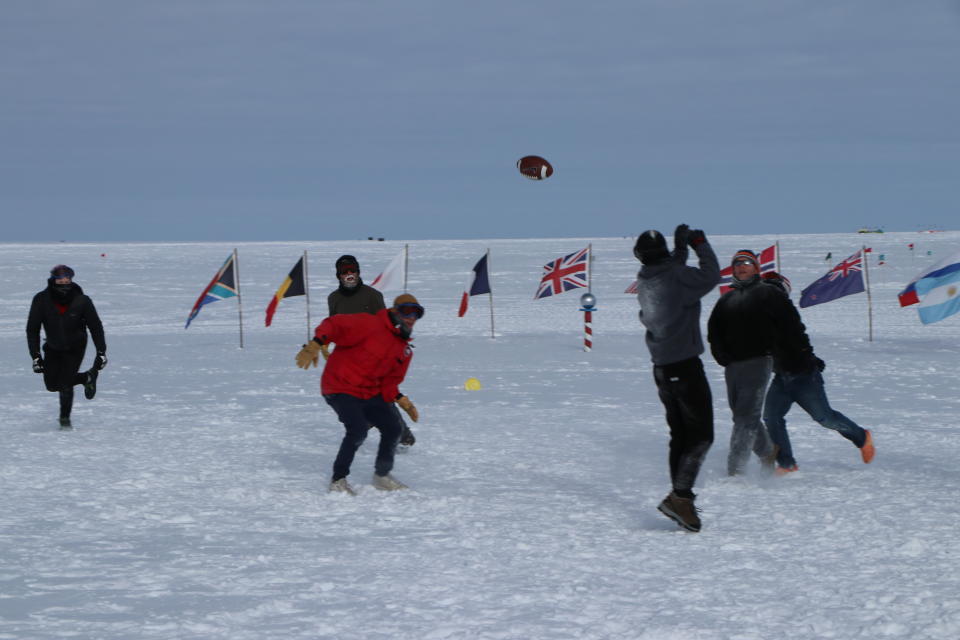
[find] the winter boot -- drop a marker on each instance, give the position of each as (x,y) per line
(387,483)
(65,423)
(867,451)
(90,386)
(782,471)
(682,511)
(769,462)
(406,437)
(342,486)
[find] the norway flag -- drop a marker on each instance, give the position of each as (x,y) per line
(479,283)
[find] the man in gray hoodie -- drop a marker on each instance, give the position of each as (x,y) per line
(669,293)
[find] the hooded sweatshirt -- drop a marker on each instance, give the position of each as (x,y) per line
(669,294)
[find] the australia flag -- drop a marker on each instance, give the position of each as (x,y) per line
(843,280)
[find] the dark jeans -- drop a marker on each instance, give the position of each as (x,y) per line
(746,386)
(685,394)
(61,373)
(806,389)
(357,415)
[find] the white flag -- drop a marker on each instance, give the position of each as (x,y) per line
(393,276)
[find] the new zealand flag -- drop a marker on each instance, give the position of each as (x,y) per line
(843,280)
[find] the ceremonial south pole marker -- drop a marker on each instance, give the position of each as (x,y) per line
(588,302)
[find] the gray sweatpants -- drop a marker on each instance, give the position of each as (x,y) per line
(746,387)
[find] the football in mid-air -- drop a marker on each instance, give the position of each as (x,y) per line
(534,167)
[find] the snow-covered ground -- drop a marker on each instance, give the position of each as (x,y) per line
(190,500)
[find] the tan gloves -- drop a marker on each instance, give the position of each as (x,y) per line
(325,351)
(309,354)
(404,403)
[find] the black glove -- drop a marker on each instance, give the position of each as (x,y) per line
(100,361)
(680,236)
(696,237)
(821,365)
(37,364)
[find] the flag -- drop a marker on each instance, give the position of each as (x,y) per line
(936,289)
(769,261)
(292,286)
(564,274)
(843,280)
(394,275)
(633,287)
(479,283)
(223,285)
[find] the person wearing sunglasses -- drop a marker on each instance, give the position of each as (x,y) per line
(740,333)
(66,315)
(361,382)
(353,296)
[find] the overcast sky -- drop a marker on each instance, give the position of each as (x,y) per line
(193,120)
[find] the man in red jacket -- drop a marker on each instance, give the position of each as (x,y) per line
(361,379)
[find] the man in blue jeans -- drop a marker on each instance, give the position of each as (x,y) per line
(798,380)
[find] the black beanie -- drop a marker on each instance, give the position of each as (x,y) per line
(347,260)
(61,271)
(651,247)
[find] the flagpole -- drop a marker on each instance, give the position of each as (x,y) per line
(492,335)
(406,259)
(236,267)
(776,259)
(306,290)
(589,267)
(866,282)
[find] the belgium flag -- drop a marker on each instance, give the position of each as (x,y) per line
(292,286)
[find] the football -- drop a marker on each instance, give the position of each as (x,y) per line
(534,167)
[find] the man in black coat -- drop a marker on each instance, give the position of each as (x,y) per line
(669,293)
(353,296)
(741,337)
(66,315)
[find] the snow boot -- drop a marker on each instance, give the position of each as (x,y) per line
(65,424)
(90,386)
(867,451)
(768,463)
(387,483)
(406,437)
(782,471)
(682,511)
(342,486)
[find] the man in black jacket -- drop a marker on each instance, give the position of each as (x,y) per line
(797,379)
(65,314)
(352,296)
(741,337)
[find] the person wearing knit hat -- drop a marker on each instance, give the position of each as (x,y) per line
(669,293)
(66,315)
(353,296)
(740,336)
(361,381)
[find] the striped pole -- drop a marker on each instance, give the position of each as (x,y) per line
(587,329)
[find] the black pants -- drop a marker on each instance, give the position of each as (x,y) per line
(357,415)
(61,373)
(685,394)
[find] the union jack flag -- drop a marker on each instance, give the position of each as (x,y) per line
(564,274)
(769,261)
(843,280)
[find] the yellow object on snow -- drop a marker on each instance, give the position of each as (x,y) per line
(472,384)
